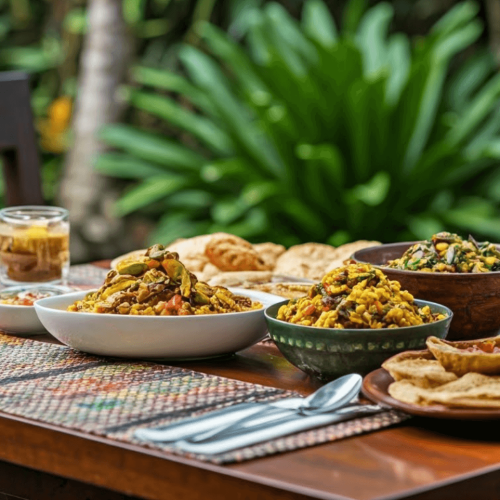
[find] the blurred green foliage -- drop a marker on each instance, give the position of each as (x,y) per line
(34,39)
(308,132)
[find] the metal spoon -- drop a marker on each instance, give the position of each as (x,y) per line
(330,397)
(344,389)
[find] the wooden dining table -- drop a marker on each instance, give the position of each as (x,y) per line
(418,459)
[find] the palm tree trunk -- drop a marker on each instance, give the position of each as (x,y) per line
(104,61)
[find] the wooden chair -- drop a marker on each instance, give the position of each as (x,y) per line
(18,145)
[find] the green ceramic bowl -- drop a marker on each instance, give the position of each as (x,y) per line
(328,353)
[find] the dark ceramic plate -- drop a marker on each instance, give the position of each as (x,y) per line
(328,353)
(474,298)
(376,385)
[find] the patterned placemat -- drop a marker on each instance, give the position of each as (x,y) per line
(86,274)
(112,398)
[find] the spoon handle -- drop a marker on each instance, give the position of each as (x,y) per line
(265,415)
(284,426)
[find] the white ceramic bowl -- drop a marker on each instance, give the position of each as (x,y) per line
(155,337)
(20,320)
(23,320)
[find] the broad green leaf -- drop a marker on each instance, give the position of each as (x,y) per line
(176,225)
(290,31)
(254,223)
(340,237)
(372,36)
(257,44)
(492,150)
(492,186)
(256,192)
(126,166)
(30,59)
(484,141)
(468,78)
(465,172)
(353,14)
(480,106)
(227,168)
(133,10)
(244,133)
(234,56)
(303,217)
(202,128)
(456,17)
(227,211)
(149,191)
(375,191)
(191,199)
(151,147)
(399,62)
(75,21)
(428,106)
(318,23)
(424,226)
(240,12)
(282,51)
(166,80)
(475,215)
(458,41)
(359,130)
(5,25)
(329,161)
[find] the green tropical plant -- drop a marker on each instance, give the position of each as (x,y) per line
(310,133)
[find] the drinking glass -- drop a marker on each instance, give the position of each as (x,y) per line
(34,245)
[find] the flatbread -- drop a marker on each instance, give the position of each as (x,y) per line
(193,248)
(420,372)
(309,260)
(455,358)
(269,253)
(285,290)
(346,251)
(208,272)
(231,253)
(240,279)
(471,390)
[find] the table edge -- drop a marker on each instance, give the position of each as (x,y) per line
(227,470)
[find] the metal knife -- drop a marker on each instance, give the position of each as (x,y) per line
(195,425)
(292,423)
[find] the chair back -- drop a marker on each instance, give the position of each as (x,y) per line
(18,145)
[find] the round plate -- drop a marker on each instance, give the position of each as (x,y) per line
(376,385)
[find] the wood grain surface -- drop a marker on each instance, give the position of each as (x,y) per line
(420,459)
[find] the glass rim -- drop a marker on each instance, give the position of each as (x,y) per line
(29,213)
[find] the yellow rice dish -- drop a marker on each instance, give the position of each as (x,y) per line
(158,284)
(357,296)
(449,253)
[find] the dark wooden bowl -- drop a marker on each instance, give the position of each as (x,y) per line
(474,298)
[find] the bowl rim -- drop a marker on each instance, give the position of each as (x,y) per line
(57,289)
(417,273)
(40,306)
(350,331)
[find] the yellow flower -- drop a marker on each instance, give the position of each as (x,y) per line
(53,129)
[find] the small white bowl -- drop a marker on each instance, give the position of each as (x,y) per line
(155,337)
(20,320)
(23,320)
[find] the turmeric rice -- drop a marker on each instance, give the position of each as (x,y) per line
(357,296)
(158,284)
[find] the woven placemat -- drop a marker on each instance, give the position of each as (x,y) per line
(87,275)
(112,398)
